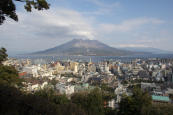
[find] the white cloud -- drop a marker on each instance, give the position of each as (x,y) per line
(130,24)
(71,22)
(65,19)
(46,28)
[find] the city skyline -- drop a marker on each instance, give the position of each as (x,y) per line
(116,23)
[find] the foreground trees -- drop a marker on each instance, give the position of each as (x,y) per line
(137,104)
(140,103)
(14,102)
(3,55)
(8,74)
(91,102)
(8,8)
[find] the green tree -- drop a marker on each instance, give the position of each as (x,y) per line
(137,104)
(8,74)
(14,102)
(63,104)
(91,102)
(8,8)
(161,109)
(3,55)
(107,92)
(52,96)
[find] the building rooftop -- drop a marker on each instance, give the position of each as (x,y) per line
(160,98)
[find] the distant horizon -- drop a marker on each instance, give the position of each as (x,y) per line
(120,47)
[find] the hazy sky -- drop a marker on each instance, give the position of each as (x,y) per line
(118,23)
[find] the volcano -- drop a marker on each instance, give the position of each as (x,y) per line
(81,47)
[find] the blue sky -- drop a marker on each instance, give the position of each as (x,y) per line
(118,23)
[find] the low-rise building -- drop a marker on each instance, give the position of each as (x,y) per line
(160,99)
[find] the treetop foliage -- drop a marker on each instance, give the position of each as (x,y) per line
(8,74)
(8,8)
(138,104)
(3,55)
(91,102)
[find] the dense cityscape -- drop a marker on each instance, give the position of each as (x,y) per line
(115,78)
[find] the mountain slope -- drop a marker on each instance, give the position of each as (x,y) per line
(147,49)
(85,48)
